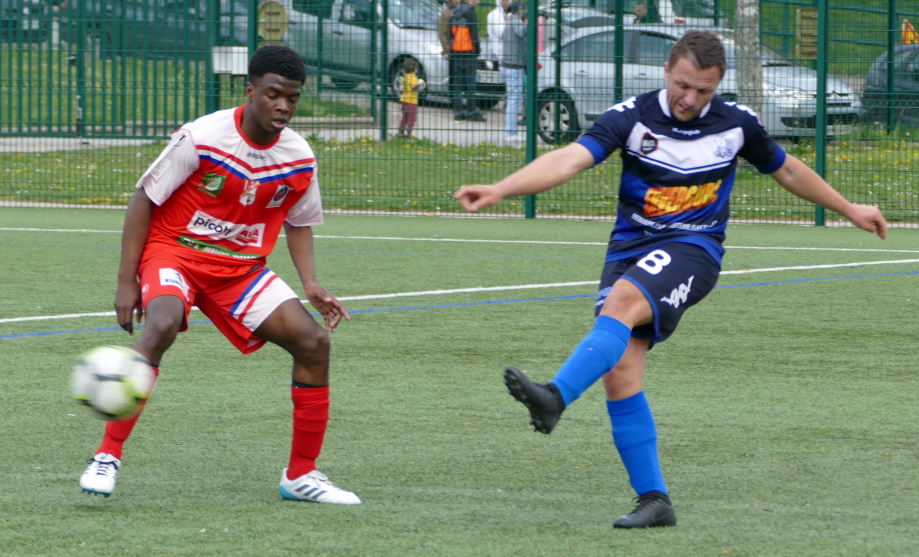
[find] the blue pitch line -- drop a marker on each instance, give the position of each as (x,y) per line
(486,303)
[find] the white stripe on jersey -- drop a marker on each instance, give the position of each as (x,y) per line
(686,156)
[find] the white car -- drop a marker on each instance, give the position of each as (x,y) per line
(585,85)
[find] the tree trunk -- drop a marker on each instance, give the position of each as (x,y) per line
(749,55)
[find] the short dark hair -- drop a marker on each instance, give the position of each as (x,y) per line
(279,60)
(703,48)
(410,65)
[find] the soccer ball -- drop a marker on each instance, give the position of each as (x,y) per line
(113,382)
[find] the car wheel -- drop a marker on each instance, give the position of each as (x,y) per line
(397,74)
(568,129)
(344,83)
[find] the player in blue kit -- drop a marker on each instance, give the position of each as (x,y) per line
(679,149)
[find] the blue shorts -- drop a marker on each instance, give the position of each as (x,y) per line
(673,277)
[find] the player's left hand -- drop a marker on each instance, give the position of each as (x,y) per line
(331,309)
(869,217)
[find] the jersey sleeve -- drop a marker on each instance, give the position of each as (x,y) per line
(610,131)
(759,149)
(177,162)
(308,209)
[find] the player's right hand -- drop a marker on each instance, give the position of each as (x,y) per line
(474,198)
(127,301)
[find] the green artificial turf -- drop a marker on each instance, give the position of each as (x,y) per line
(785,403)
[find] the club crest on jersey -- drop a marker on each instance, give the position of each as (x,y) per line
(724,147)
(279,196)
(212,184)
(648,144)
(249,189)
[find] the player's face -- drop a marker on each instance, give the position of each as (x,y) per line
(689,89)
(272,103)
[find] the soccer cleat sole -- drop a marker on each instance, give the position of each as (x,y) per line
(515,387)
(91,492)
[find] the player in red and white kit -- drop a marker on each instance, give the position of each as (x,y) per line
(204,217)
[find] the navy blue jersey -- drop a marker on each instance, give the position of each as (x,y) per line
(677,176)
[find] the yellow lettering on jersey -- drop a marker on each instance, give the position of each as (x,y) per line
(675,200)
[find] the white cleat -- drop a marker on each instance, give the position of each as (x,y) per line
(101,474)
(317,488)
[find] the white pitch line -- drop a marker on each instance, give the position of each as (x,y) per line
(492,288)
(808,267)
(463,240)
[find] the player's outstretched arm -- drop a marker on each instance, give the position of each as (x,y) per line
(547,171)
(801,180)
(136,228)
(300,243)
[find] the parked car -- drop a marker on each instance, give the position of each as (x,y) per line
(586,84)
(905,99)
(694,13)
(25,21)
(336,36)
(156,28)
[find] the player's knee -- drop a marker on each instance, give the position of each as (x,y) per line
(162,328)
(312,345)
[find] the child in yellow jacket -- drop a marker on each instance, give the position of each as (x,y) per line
(411,84)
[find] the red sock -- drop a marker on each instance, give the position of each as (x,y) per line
(311,417)
(116,433)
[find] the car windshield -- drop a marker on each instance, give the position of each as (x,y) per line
(694,8)
(771,57)
(415,14)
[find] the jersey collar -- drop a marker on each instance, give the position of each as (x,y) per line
(238,118)
(662,100)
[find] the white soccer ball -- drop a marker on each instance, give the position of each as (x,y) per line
(113,381)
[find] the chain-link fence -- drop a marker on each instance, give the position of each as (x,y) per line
(406,100)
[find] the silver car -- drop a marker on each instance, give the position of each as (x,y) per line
(586,83)
(341,47)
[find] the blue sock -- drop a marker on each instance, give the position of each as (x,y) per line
(600,350)
(636,440)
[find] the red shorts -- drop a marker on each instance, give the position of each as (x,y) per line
(236,298)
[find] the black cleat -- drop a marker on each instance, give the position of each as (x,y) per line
(653,509)
(543,401)
(475,117)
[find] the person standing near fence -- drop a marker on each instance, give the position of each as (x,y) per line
(445,36)
(496,20)
(679,148)
(201,223)
(409,98)
(464,53)
(513,65)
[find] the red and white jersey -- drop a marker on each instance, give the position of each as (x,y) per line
(222,198)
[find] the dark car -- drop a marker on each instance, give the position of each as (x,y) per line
(903,101)
(155,28)
(24,21)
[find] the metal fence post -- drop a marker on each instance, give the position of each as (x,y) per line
(253,27)
(557,57)
(893,29)
(531,88)
(384,71)
(618,50)
(212,21)
(820,130)
(374,39)
(81,66)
